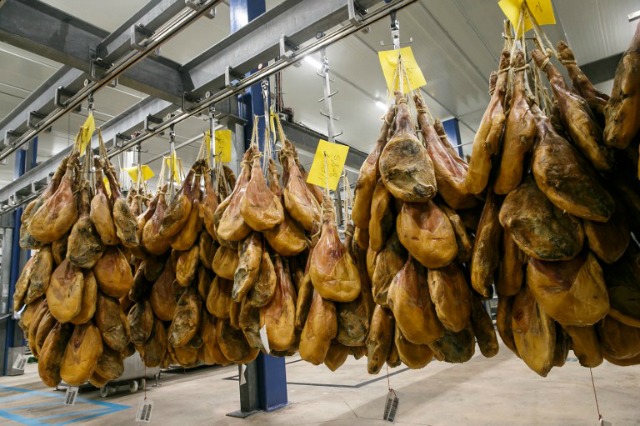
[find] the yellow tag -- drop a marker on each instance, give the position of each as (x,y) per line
(223,145)
(542,10)
(86,131)
(336,157)
(107,186)
(176,170)
(389,62)
(147,173)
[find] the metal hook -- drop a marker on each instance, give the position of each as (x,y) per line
(395,33)
(90,102)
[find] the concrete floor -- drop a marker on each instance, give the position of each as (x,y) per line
(498,391)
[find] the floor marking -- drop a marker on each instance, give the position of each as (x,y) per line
(71,414)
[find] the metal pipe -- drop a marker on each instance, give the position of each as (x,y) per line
(162,36)
(348,29)
(275,67)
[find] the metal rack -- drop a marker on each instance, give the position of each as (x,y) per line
(221,66)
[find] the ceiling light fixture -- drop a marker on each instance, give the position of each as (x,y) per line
(313,62)
(633,16)
(381,105)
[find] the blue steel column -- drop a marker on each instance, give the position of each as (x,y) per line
(271,371)
(452,128)
(25,160)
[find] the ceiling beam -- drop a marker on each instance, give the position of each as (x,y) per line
(40,101)
(39,28)
(127,122)
(149,19)
(259,41)
(222,100)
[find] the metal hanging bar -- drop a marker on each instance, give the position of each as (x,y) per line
(395,33)
(149,46)
(90,102)
(212,138)
(331,133)
(328,94)
(172,160)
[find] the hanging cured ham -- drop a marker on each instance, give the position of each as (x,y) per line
(405,166)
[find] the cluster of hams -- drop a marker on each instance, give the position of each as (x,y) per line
(410,210)
(556,234)
(545,214)
(83,232)
(223,260)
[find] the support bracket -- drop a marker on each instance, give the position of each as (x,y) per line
(199,4)
(189,102)
(287,47)
(231,76)
(356,11)
(97,69)
(10,136)
(120,137)
(150,120)
(62,95)
(34,119)
(140,34)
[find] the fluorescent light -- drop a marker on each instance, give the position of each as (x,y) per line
(381,105)
(313,62)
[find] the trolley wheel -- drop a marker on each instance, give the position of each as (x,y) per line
(104,391)
(133,386)
(143,383)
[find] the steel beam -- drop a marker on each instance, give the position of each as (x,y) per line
(32,182)
(219,98)
(40,100)
(278,65)
(148,19)
(109,72)
(259,41)
(39,28)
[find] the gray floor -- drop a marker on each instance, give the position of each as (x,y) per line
(498,391)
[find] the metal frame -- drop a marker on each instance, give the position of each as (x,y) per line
(269,26)
(75,42)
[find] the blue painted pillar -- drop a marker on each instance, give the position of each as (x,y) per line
(452,128)
(242,12)
(271,371)
(25,160)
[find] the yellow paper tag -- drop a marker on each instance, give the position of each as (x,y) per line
(542,10)
(336,157)
(223,145)
(107,186)
(147,173)
(175,166)
(86,131)
(389,61)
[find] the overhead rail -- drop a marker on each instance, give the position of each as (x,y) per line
(235,86)
(147,45)
(270,26)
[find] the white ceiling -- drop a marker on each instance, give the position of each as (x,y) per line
(456,43)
